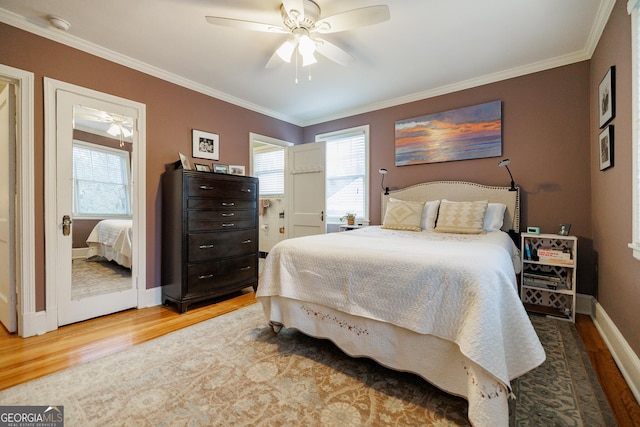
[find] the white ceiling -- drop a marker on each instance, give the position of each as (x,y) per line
(427,48)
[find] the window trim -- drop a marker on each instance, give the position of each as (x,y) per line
(346,133)
(632,8)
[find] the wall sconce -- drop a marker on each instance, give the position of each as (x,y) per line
(505,163)
(383,172)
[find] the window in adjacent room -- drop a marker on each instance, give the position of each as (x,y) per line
(633,6)
(268,167)
(101,181)
(347,173)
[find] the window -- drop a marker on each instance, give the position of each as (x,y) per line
(633,6)
(268,167)
(101,184)
(347,173)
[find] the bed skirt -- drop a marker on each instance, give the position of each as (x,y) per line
(438,361)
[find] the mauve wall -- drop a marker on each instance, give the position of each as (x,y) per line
(611,190)
(172,112)
(545,134)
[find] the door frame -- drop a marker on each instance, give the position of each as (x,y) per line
(25,285)
(51,86)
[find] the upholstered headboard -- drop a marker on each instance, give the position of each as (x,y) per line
(460,191)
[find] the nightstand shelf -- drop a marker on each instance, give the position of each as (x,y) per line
(548,283)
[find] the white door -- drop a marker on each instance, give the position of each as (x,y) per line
(74,308)
(305,190)
(7,208)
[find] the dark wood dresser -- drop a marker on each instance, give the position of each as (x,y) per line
(209,235)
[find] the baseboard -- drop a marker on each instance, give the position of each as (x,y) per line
(624,356)
(79,253)
(585,304)
(39,322)
(150,297)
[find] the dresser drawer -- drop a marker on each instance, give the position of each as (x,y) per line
(205,187)
(207,246)
(220,215)
(210,277)
(227,225)
(225,203)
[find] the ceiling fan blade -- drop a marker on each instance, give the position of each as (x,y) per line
(333,52)
(294,8)
(351,19)
(245,25)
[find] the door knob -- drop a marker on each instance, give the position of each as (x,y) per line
(66,225)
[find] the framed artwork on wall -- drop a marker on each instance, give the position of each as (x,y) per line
(606,97)
(605,145)
(466,133)
(206,145)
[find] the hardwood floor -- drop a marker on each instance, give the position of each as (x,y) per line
(26,359)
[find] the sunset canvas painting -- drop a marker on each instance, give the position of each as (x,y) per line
(467,133)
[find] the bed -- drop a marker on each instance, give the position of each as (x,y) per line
(111,239)
(435,299)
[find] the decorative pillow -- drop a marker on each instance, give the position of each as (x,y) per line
(429,213)
(403,215)
(461,217)
(494,217)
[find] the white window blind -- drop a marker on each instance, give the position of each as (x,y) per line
(347,173)
(268,167)
(100,181)
(633,6)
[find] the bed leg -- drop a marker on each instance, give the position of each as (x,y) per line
(275,327)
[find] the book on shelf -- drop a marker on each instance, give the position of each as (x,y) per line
(550,253)
(542,275)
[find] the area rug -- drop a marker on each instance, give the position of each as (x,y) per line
(234,371)
(91,278)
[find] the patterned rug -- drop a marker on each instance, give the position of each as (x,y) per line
(90,278)
(234,371)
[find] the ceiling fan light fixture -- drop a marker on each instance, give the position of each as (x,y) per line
(306,46)
(286,51)
(308,59)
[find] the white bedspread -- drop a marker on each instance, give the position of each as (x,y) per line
(460,288)
(111,239)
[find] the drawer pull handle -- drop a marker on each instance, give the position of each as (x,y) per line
(206,246)
(228,214)
(247,241)
(229,225)
(205,276)
(206,187)
(228,204)
(245,268)
(245,190)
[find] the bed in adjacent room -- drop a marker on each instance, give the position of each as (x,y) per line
(432,291)
(111,239)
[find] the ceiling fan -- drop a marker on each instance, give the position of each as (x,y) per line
(301,19)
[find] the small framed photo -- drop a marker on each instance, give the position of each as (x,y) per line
(563,229)
(206,145)
(236,170)
(185,161)
(605,145)
(221,168)
(606,97)
(202,168)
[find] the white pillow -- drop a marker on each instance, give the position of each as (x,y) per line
(429,213)
(494,217)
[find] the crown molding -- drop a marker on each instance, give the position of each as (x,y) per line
(599,24)
(59,36)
